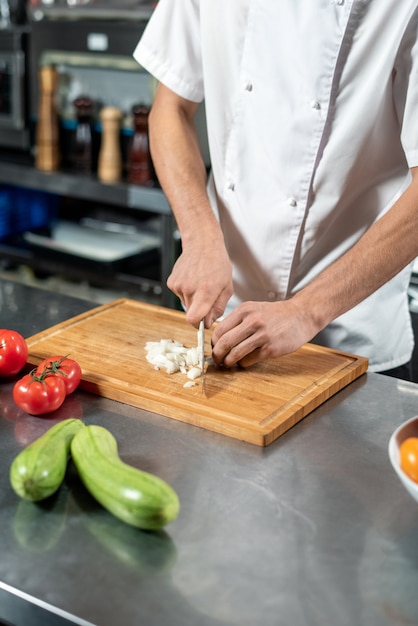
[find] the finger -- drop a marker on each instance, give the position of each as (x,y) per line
(233,346)
(197,310)
(202,307)
(185,297)
(227,325)
(251,359)
(218,309)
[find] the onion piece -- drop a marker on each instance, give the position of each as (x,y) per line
(174,357)
(194,372)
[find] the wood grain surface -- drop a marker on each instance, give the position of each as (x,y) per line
(256,405)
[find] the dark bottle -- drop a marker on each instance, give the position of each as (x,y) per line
(82,157)
(140,170)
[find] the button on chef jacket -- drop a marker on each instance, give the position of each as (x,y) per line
(312,118)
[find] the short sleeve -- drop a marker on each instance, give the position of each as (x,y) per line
(170,48)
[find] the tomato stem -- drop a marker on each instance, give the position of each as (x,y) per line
(40,378)
(54,366)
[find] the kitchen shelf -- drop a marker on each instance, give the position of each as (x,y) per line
(84,187)
(18,170)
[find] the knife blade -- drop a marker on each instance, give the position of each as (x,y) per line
(201,347)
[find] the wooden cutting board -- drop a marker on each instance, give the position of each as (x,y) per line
(256,405)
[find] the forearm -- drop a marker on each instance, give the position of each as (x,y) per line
(179,165)
(384,250)
(202,275)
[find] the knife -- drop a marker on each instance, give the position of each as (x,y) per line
(201,347)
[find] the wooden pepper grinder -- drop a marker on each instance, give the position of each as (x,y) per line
(140,170)
(47,134)
(110,157)
(82,157)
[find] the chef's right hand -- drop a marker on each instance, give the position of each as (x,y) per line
(202,279)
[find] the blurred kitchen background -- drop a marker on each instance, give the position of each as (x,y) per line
(81,211)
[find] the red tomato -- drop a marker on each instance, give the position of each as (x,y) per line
(38,395)
(408,451)
(13,352)
(63,366)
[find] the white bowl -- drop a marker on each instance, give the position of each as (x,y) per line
(405,430)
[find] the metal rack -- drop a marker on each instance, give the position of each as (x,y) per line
(124,196)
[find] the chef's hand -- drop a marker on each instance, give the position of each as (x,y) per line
(256,331)
(202,280)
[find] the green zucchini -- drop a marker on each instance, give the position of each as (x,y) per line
(132,495)
(39,469)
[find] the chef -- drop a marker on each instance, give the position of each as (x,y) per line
(306,228)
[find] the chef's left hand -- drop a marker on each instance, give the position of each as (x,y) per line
(256,331)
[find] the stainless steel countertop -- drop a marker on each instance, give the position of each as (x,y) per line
(314,530)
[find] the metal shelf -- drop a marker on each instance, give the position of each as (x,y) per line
(89,188)
(85,187)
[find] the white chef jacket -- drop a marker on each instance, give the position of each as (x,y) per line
(312,117)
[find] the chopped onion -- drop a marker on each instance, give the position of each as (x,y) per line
(173,356)
(194,372)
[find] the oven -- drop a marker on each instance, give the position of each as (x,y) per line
(14,113)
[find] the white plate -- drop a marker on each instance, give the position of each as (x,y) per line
(93,244)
